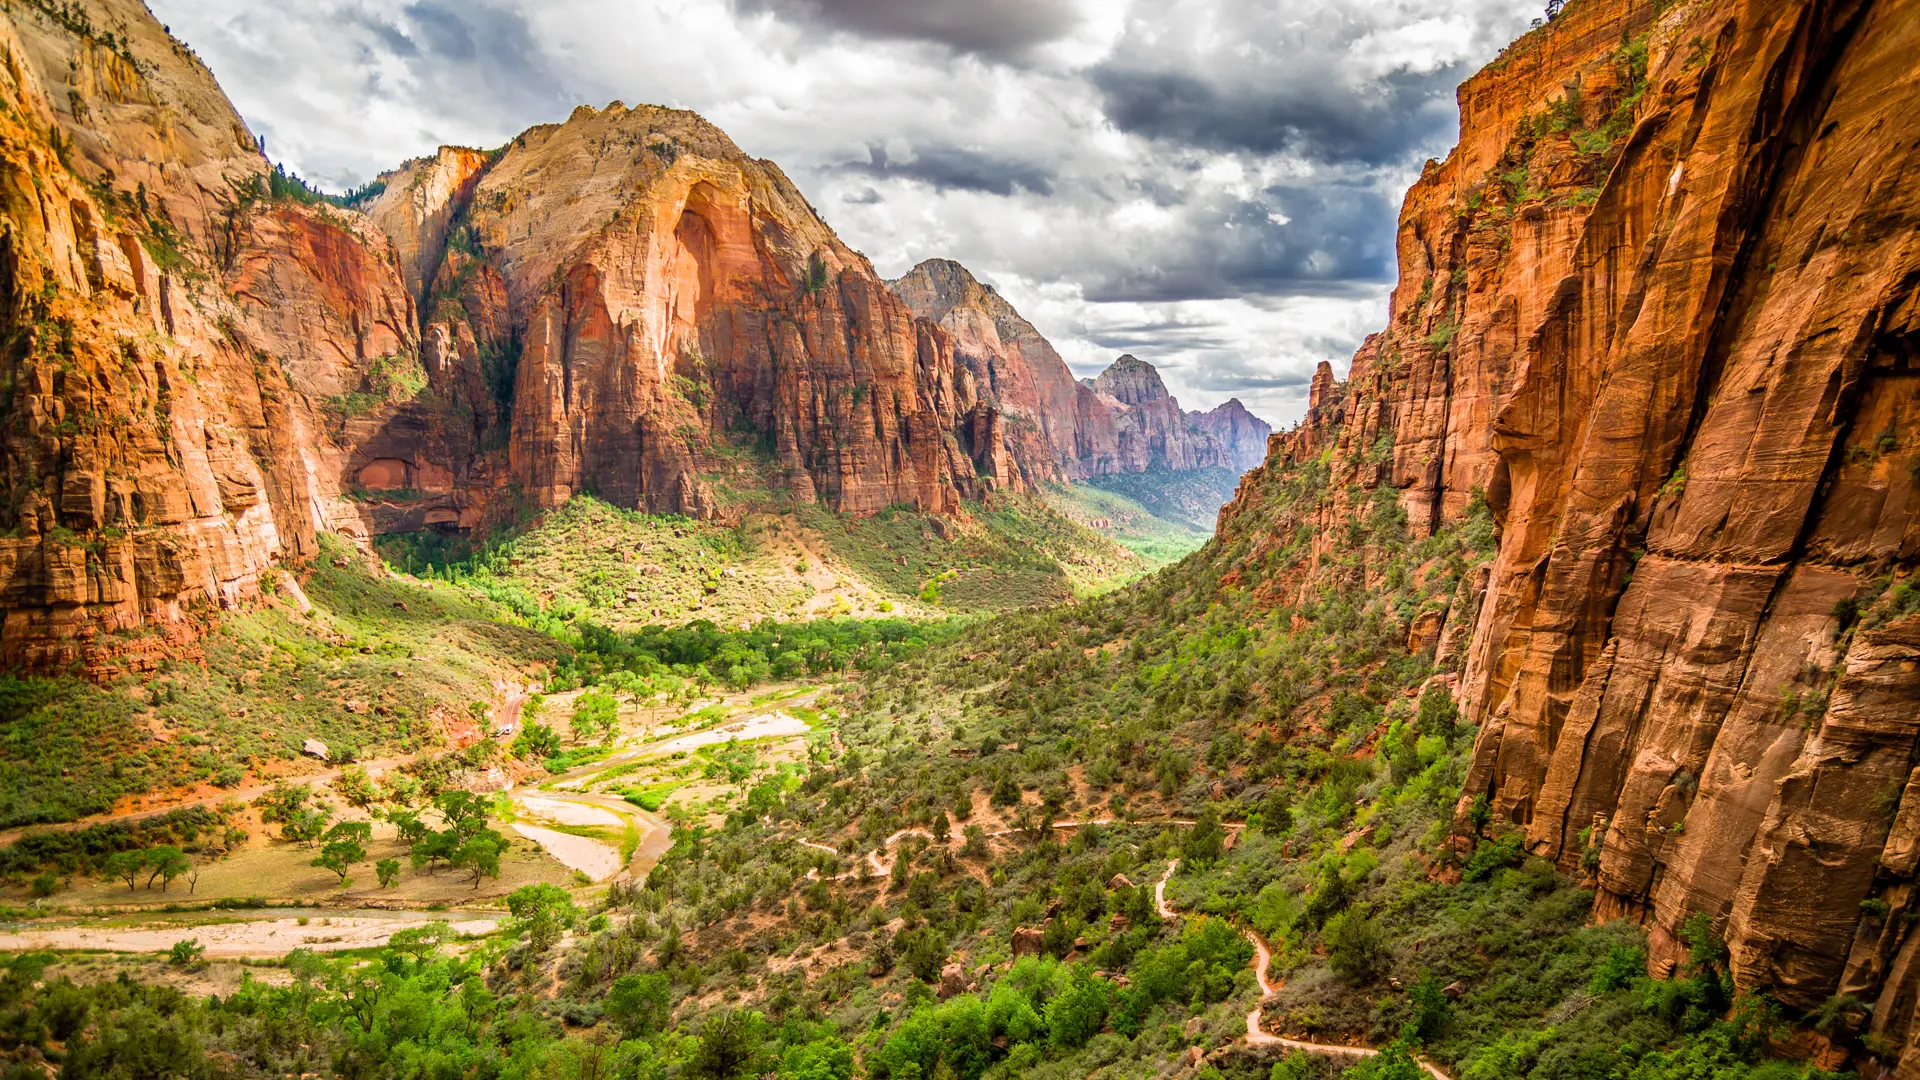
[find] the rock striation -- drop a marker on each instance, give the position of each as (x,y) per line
(173,338)
(1660,310)
(208,364)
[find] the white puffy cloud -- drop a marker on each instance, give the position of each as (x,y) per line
(1208,184)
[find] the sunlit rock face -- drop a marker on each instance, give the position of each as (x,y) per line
(1659,310)
(209,365)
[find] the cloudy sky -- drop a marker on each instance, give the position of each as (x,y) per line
(1208,184)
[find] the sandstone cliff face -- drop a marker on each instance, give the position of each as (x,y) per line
(206,367)
(170,340)
(1053,427)
(1151,431)
(1242,436)
(418,206)
(1057,428)
(677,302)
(1661,308)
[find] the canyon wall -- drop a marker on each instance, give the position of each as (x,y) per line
(207,364)
(171,337)
(1660,309)
(1122,421)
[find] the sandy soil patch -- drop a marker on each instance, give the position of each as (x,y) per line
(265,937)
(594,858)
(565,812)
(766,725)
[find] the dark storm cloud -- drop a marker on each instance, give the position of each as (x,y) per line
(1326,240)
(996,28)
(1316,115)
(953,168)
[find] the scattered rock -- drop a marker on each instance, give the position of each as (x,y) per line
(953,981)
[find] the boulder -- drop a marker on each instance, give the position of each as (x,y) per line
(953,981)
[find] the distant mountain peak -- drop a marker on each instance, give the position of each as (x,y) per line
(1132,381)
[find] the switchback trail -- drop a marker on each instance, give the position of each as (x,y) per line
(1262,955)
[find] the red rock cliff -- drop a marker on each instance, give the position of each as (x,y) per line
(1058,428)
(206,365)
(675,301)
(1662,307)
(174,342)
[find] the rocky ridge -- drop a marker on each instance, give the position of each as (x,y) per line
(1659,310)
(1122,421)
(210,364)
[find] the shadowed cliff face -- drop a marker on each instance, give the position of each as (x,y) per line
(1659,308)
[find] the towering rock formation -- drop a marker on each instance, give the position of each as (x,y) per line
(1151,432)
(171,337)
(1661,307)
(417,205)
(668,292)
(1123,421)
(1242,436)
(208,364)
(1050,420)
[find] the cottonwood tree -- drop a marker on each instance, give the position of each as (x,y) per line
(125,865)
(165,863)
(345,844)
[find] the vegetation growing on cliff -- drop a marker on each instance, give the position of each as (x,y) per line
(592,561)
(1253,713)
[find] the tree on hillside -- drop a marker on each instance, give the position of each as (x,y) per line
(1204,842)
(464,812)
(432,848)
(166,863)
(408,826)
(596,716)
(281,803)
(1356,950)
(545,911)
(732,1046)
(125,865)
(1438,714)
(306,826)
(641,1005)
(356,788)
(479,855)
(536,742)
(345,844)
